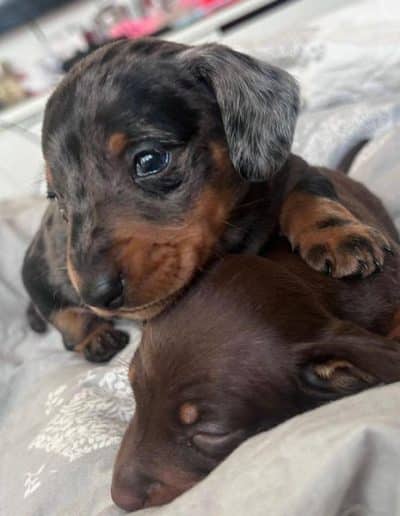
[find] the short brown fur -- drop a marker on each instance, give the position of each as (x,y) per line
(252,343)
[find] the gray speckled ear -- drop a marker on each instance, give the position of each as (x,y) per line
(258,103)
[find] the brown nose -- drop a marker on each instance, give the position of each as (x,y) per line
(105,291)
(131,490)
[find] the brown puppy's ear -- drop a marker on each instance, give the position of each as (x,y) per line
(258,104)
(346,364)
(335,378)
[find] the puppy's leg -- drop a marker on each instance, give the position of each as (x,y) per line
(53,299)
(81,330)
(86,333)
(327,235)
(36,321)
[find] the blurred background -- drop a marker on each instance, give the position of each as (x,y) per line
(41,39)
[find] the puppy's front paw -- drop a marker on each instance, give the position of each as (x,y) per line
(344,250)
(84,332)
(103,343)
(330,238)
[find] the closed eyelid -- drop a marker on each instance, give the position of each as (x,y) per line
(218,444)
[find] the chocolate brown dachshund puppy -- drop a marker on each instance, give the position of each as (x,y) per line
(160,157)
(253,342)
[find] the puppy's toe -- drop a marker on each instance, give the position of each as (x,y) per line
(103,345)
(360,252)
(354,249)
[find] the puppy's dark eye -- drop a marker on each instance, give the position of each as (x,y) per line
(151,162)
(51,195)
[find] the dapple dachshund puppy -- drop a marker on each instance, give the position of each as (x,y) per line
(252,343)
(160,157)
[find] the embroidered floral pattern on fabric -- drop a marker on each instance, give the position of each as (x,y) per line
(32,481)
(82,424)
(54,399)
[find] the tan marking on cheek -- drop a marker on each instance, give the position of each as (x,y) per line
(157,261)
(117,143)
(188,413)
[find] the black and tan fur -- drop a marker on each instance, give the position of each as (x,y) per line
(113,244)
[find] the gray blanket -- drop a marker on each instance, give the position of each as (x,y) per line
(61,418)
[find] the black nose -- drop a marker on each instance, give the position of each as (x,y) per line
(104,292)
(130,490)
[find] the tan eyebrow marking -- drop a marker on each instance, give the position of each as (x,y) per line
(117,143)
(188,413)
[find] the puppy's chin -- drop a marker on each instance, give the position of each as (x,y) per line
(139,313)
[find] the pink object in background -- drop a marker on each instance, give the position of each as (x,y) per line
(137,28)
(183,13)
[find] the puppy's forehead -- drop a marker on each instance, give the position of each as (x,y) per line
(123,88)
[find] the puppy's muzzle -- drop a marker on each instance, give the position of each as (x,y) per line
(132,490)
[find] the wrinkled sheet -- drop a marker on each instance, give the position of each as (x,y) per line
(61,418)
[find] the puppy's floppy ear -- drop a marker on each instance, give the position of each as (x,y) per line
(258,104)
(346,364)
(334,378)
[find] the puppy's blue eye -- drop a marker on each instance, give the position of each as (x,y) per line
(148,163)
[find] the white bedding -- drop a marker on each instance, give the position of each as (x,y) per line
(61,418)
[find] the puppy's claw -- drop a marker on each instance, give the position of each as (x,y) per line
(353,249)
(328,268)
(363,266)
